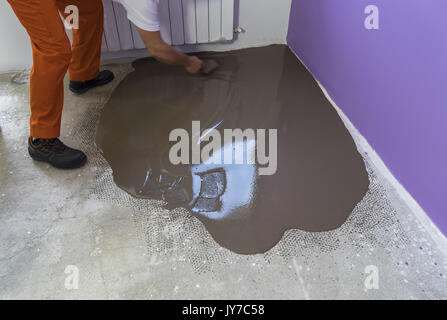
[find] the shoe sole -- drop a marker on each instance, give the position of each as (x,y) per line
(99,84)
(77,166)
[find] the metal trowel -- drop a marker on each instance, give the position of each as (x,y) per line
(209,66)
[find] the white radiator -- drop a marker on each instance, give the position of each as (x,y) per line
(182,22)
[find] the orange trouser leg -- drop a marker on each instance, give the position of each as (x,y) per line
(86,46)
(51,57)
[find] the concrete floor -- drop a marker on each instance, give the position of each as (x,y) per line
(129,248)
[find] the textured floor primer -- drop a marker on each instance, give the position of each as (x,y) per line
(320,176)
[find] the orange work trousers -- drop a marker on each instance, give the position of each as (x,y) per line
(53,55)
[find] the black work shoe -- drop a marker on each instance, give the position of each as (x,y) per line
(55,153)
(80,87)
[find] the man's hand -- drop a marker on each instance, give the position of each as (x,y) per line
(167,54)
(194,65)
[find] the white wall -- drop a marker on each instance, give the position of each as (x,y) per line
(265,22)
(15,48)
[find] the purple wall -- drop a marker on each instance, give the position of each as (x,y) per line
(391,83)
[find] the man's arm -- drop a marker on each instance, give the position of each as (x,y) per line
(163,52)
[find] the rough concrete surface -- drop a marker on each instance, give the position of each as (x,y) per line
(128,248)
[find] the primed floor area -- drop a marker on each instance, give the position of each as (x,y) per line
(244,210)
(125,247)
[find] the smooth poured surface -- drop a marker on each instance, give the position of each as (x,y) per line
(320,176)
